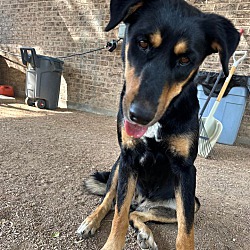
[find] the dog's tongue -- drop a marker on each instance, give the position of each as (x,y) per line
(134,130)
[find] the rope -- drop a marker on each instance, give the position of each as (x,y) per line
(111,46)
(80,54)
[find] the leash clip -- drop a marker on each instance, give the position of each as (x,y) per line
(111,46)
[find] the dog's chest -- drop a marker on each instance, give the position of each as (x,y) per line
(153,132)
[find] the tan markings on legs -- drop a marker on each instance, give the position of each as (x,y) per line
(101,211)
(139,218)
(181,47)
(184,241)
(145,236)
(181,144)
(120,222)
(156,39)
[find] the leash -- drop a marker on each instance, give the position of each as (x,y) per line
(110,46)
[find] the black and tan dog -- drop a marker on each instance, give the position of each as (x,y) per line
(154,178)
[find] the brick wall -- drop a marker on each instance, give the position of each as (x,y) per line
(239,13)
(92,82)
(12,74)
(61,27)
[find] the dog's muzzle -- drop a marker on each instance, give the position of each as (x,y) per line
(140,114)
(139,118)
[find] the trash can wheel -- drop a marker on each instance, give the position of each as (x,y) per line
(29,101)
(40,103)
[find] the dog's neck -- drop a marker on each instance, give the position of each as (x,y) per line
(154,132)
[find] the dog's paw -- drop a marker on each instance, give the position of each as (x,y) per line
(87,228)
(146,240)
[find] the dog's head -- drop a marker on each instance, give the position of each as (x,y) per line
(166,42)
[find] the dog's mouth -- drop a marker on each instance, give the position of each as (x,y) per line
(134,130)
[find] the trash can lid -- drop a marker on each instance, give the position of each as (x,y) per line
(50,58)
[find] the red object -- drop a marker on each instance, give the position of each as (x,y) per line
(7,90)
(241,31)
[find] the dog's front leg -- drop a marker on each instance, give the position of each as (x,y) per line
(185,202)
(125,192)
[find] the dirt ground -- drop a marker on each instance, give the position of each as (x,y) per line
(46,155)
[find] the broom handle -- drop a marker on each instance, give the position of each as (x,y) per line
(213,109)
(224,87)
(222,91)
(211,93)
(227,81)
(231,73)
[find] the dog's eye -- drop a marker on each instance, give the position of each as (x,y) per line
(143,44)
(184,60)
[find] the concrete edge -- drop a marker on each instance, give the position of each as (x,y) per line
(6,99)
(90,109)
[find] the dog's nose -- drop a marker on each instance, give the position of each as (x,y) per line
(140,114)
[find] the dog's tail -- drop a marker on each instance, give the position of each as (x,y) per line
(97,182)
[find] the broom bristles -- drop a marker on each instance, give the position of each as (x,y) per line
(204,146)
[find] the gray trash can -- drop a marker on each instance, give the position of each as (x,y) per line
(43,79)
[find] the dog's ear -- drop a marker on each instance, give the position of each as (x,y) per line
(222,37)
(121,9)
